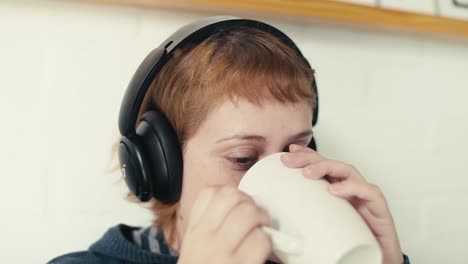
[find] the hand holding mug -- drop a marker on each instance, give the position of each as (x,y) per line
(347,183)
(224,227)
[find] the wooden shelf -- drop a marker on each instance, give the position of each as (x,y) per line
(313,10)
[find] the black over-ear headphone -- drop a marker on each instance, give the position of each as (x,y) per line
(150,155)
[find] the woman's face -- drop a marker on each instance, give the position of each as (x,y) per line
(235,136)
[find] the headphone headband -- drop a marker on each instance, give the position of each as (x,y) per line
(190,34)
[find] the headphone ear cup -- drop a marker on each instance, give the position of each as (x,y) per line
(312,144)
(134,168)
(162,147)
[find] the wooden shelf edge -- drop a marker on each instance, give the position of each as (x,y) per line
(327,10)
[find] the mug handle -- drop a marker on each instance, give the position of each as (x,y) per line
(289,244)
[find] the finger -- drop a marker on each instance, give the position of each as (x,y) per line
(369,193)
(222,202)
(294,148)
(300,159)
(240,221)
(332,169)
(255,248)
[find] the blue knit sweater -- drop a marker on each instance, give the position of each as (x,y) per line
(120,245)
(124,244)
(117,246)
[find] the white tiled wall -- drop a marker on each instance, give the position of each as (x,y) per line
(457,9)
(392,105)
(418,6)
(450,9)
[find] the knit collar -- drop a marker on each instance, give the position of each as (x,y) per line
(117,243)
(152,239)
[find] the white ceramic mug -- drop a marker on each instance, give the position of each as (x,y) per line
(310,225)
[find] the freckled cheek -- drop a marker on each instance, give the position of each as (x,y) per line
(239,178)
(201,174)
(207,174)
(220,175)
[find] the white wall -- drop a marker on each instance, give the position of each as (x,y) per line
(393,105)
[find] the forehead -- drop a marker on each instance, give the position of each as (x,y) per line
(270,119)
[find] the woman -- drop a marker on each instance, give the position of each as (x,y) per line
(240,94)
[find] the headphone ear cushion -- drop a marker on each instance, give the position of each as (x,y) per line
(162,147)
(134,167)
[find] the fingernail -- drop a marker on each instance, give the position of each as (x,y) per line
(294,146)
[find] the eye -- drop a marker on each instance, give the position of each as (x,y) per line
(243,160)
(242,163)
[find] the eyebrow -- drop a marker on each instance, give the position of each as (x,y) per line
(250,137)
